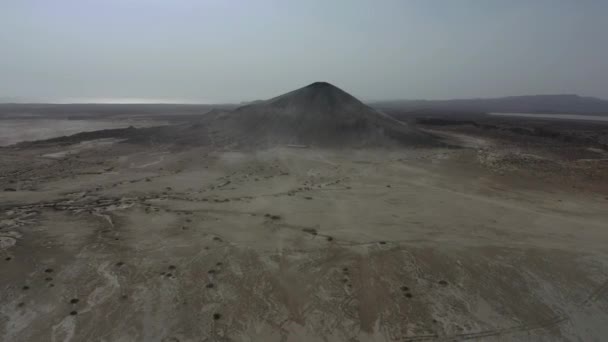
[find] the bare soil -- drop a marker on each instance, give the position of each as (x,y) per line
(496,240)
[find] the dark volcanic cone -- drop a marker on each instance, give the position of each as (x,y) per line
(318,114)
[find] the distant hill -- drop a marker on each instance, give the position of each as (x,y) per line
(551,104)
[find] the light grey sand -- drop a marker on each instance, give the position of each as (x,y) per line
(294,245)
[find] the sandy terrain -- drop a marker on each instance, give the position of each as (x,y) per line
(121,242)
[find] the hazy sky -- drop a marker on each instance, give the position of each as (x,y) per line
(222,50)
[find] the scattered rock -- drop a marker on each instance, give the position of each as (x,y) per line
(329,238)
(210,286)
(10,189)
(48,270)
(171,267)
(25,287)
(73,300)
(120,263)
(224,184)
(442,282)
(216,316)
(73,313)
(310,231)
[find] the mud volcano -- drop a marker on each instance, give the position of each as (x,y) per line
(318,114)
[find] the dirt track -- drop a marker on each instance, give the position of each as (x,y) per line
(119,242)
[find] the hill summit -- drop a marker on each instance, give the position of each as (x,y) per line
(319,97)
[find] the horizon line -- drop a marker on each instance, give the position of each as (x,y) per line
(166,101)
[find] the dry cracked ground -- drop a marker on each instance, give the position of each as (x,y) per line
(117,242)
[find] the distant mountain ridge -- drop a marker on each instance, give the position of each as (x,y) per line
(550,104)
